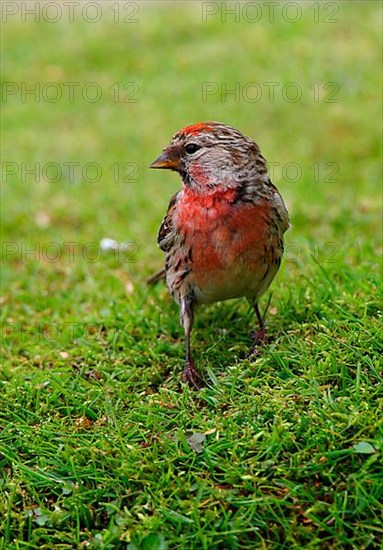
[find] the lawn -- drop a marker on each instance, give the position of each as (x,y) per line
(101,445)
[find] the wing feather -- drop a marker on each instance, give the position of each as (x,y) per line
(166,233)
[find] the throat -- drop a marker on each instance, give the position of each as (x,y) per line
(199,183)
(210,195)
(199,177)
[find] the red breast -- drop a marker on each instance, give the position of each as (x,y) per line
(221,233)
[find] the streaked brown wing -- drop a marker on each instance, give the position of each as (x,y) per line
(166,234)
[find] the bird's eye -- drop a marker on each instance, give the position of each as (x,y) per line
(191,148)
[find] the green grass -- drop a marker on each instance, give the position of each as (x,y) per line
(101,446)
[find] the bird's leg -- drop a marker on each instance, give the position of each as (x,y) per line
(259,336)
(190,375)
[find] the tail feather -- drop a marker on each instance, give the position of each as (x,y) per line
(156,278)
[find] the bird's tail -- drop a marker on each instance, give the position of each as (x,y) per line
(156,278)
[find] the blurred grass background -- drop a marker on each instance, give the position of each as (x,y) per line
(325,305)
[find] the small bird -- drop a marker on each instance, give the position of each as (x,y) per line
(223,232)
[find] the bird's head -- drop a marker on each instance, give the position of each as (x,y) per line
(211,154)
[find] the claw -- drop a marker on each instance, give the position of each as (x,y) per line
(192,376)
(260,337)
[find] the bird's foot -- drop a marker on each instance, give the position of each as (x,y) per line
(192,376)
(259,337)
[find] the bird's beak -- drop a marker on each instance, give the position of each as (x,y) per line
(168,160)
